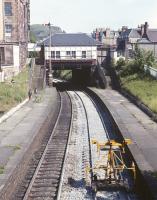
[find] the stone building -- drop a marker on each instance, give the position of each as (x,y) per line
(14,28)
(143,36)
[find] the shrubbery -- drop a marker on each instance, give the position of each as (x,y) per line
(136,65)
(135,80)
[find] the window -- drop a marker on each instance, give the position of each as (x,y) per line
(89,54)
(68,53)
(73,54)
(8,8)
(52,54)
(57,54)
(83,54)
(8,28)
(2,57)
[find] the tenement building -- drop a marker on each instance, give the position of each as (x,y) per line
(14,28)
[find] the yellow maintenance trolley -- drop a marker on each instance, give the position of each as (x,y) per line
(110,168)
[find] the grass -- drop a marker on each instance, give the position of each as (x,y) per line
(143,87)
(12,94)
(64,74)
(1,169)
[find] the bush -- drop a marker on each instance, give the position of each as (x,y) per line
(141,58)
(120,63)
(33,54)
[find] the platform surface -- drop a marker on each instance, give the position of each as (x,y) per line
(134,124)
(18,131)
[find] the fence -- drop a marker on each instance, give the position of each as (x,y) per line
(151,70)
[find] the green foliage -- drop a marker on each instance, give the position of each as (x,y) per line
(142,86)
(63,74)
(120,64)
(1,169)
(113,62)
(32,37)
(13,93)
(40,31)
(143,57)
(136,81)
(33,54)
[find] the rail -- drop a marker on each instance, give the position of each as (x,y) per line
(75,57)
(45,181)
(94,126)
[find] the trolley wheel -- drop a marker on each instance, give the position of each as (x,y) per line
(94,187)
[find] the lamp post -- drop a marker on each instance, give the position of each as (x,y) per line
(50,64)
(0,61)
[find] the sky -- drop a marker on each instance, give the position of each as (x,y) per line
(86,15)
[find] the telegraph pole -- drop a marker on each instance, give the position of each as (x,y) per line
(50,64)
(0,61)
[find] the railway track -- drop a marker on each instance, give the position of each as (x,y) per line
(46,179)
(58,178)
(88,123)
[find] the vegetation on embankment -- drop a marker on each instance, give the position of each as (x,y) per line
(143,87)
(136,81)
(63,74)
(13,92)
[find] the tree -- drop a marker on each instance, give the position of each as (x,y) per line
(143,57)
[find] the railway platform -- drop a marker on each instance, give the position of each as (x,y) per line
(17,134)
(136,125)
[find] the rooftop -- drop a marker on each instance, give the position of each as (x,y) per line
(71,39)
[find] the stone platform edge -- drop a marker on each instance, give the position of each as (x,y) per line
(12,111)
(144,176)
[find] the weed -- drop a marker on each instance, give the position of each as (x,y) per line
(143,87)
(1,169)
(13,93)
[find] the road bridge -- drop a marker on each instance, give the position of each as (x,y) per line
(74,51)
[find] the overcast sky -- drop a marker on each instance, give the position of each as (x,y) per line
(85,15)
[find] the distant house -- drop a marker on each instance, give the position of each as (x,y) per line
(144,37)
(71,49)
(149,42)
(106,36)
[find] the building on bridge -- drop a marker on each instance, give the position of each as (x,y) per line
(71,51)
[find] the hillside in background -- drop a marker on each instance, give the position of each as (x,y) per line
(39,32)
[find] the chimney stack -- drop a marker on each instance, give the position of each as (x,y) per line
(142,30)
(146,29)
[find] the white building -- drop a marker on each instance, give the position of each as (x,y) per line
(72,50)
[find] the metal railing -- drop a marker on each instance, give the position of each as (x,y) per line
(152,71)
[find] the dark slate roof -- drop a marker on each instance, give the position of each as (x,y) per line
(71,39)
(152,35)
(125,33)
(132,33)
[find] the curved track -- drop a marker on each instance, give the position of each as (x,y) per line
(46,179)
(88,123)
